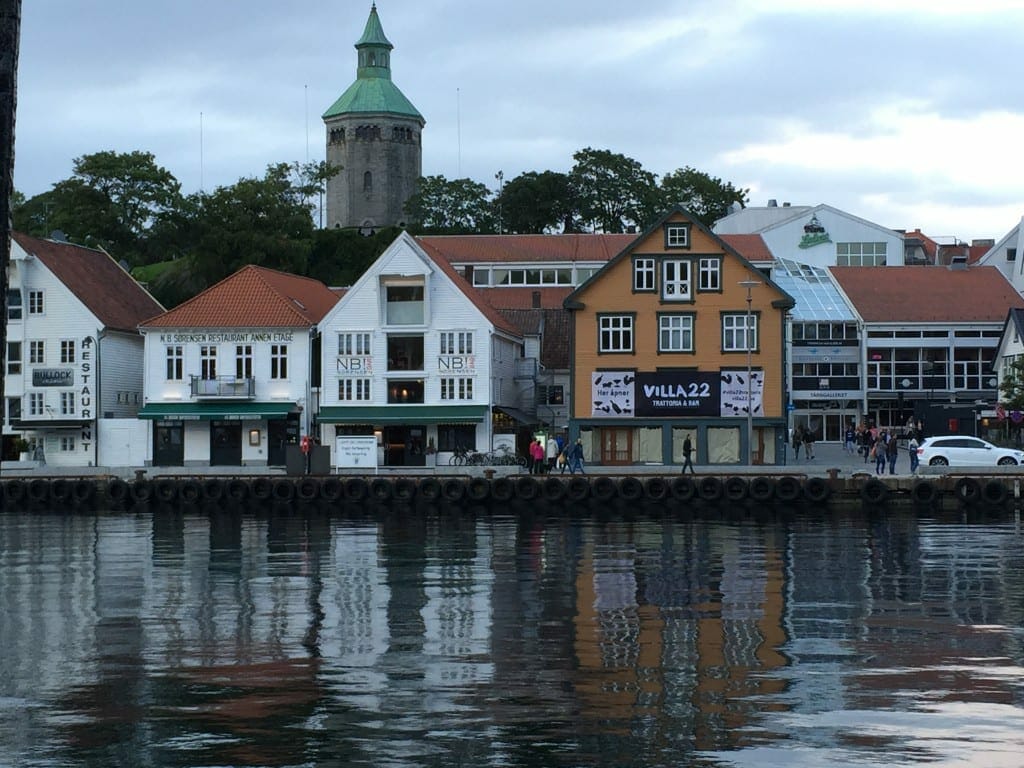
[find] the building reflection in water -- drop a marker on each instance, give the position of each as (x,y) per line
(420,637)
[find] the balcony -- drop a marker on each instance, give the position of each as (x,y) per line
(223,388)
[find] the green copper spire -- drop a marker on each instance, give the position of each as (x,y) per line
(373,90)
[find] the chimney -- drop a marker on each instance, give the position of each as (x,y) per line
(785,205)
(773,203)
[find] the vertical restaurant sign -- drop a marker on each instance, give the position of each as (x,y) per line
(678,393)
(734,392)
(613,394)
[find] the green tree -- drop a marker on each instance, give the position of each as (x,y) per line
(112,200)
(1011,388)
(536,203)
(707,197)
(461,206)
(255,221)
(612,191)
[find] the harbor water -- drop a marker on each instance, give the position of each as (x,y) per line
(514,636)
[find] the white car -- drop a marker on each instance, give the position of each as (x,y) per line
(964,451)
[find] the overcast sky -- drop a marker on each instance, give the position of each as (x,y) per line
(908,113)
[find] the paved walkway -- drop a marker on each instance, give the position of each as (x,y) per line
(826,456)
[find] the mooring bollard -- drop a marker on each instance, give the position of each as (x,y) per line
(489,474)
(833,473)
(140,475)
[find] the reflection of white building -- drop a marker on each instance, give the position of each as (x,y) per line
(412,355)
(228,372)
(74,372)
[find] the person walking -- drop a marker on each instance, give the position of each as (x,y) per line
(809,444)
(851,438)
(879,454)
(563,459)
(576,457)
(867,442)
(892,451)
(552,453)
(688,455)
(798,440)
(912,446)
(537,454)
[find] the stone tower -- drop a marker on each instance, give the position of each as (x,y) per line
(373,135)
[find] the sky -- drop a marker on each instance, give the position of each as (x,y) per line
(907,113)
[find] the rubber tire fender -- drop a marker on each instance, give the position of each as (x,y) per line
(787,489)
(656,489)
(761,488)
(736,488)
(683,489)
(817,489)
(710,488)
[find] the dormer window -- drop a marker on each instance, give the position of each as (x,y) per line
(404,304)
(677,235)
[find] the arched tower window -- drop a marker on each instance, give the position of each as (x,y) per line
(367,182)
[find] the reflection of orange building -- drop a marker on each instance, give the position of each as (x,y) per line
(681,627)
(664,337)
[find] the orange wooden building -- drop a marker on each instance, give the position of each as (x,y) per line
(663,339)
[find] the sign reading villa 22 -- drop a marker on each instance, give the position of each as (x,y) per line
(625,394)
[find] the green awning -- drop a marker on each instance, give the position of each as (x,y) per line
(216,411)
(403,414)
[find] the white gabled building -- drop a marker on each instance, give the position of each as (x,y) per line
(413,355)
(1006,256)
(74,354)
(228,373)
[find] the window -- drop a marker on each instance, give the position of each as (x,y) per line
(615,333)
(14,304)
(481,277)
(736,336)
(452,436)
(677,235)
(529,277)
(643,275)
(37,352)
(350,344)
(243,361)
(36,404)
(404,305)
(354,390)
(860,254)
(13,408)
(710,274)
(456,389)
(67,351)
(67,444)
(405,391)
(675,280)
(14,357)
(35,302)
(67,403)
(1011,254)
(457,343)
(367,182)
(279,361)
(553,394)
(405,353)
(675,333)
(175,363)
(208,363)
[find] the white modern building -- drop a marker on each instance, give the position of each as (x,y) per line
(414,357)
(229,376)
(74,354)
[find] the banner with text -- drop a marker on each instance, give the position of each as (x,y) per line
(676,394)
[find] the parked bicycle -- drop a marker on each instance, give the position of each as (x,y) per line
(461,455)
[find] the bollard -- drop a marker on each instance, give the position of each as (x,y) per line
(489,474)
(140,475)
(833,473)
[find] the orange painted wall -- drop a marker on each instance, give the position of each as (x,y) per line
(612,291)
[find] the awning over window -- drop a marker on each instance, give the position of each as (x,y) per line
(403,414)
(216,411)
(49,423)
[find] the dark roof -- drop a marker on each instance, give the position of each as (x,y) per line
(553,326)
(928,294)
(253,297)
(99,282)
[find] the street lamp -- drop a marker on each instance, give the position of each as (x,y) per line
(749,343)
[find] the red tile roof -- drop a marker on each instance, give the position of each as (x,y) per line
(493,316)
(99,282)
(253,297)
(522,298)
(465,249)
(750,247)
(928,294)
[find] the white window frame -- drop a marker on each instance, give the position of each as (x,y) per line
(616,334)
(675,333)
(67,444)
(14,304)
(456,388)
(354,390)
(67,351)
(456,342)
(13,357)
(709,274)
(677,235)
(676,280)
(36,303)
(175,357)
(37,352)
(67,404)
(279,362)
(243,362)
(735,334)
(644,274)
(354,344)
(208,362)
(36,403)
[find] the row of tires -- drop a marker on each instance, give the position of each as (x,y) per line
(89,493)
(118,494)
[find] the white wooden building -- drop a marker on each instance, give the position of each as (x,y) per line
(74,354)
(228,377)
(415,357)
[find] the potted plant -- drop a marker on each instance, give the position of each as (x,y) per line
(22,447)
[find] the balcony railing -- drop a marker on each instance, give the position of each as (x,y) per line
(226,387)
